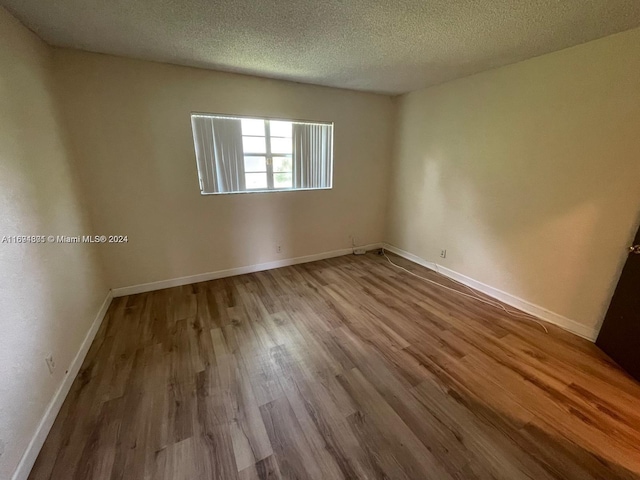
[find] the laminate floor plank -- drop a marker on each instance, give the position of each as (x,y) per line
(345,368)
(294,453)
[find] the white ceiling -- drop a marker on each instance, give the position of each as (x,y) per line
(381,46)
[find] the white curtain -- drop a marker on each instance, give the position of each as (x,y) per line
(312,152)
(218,144)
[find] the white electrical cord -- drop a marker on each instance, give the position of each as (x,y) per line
(474,296)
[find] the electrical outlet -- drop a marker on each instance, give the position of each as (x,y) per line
(443,253)
(51,364)
(278,248)
(354,240)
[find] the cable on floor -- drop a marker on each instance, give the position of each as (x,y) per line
(474,296)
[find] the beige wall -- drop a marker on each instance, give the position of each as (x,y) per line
(49,294)
(529,175)
(130,121)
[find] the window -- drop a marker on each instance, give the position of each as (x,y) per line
(268,148)
(241,154)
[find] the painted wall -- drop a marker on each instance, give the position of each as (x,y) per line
(130,121)
(49,294)
(529,175)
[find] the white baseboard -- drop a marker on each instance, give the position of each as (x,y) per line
(536,310)
(35,445)
(205,277)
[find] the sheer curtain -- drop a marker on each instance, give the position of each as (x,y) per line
(218,143)
(312,151)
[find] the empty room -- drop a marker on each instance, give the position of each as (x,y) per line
(321,240)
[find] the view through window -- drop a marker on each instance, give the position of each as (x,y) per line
(241,154)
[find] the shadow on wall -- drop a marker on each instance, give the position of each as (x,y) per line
(540,204)
(48,290)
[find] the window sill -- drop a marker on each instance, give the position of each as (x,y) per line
(267,191)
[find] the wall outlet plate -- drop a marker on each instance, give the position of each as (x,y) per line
(443,253)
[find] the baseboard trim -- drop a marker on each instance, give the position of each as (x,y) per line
(205,277)
(542,313)
(35,445)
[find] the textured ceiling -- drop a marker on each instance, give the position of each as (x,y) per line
(382,46)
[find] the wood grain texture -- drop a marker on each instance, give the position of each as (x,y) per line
(339,369)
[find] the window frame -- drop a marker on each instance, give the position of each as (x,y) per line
(269,154)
